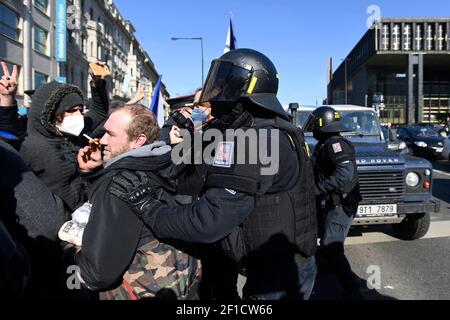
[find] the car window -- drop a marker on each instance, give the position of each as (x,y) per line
(357,122)
(424,132)
(302,116)
(361,122)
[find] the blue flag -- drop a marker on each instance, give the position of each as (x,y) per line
(157,104)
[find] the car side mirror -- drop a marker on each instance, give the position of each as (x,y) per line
(393,136)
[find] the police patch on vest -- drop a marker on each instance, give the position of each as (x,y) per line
(337,147)
(224,154)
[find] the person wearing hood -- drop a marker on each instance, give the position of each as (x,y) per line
(117,250)
(54,133)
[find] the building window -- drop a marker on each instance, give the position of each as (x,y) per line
(39,79)
(40,39)
(407,38)
(396,38)
(82,81)
(41,5)
(419,38)
(83,44)
(430,38)
(385,38)
(440,37)
(91,14)
(9,22)
(92,49)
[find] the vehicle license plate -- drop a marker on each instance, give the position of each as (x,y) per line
(377,210)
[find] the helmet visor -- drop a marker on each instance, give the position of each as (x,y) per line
(310,123)
(225,82)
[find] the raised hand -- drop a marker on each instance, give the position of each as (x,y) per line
(8,85)
(140,94)
(175,135)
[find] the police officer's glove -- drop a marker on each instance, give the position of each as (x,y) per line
(135,189)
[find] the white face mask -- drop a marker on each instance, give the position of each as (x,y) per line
(72,125)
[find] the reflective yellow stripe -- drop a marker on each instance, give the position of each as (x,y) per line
(307,150)
(252,85)
(320,122)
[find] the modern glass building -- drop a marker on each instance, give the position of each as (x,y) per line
(406,60)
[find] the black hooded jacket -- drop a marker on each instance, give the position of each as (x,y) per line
(114,232)
(52,156)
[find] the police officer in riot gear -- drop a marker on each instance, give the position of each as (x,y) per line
(265,221)
(337,185)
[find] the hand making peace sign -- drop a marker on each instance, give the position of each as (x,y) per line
(8,85)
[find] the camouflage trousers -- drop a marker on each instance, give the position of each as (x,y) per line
(158,271)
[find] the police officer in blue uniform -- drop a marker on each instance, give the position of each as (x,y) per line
(338,192)
(265,222)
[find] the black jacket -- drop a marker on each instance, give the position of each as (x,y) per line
(218,211)
(33,217)
(114,232)
(335,166)
(27,206)
(53,157)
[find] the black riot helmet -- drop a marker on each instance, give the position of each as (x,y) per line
(242,73)
(324,120)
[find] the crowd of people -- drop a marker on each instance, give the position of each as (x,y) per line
(97,189)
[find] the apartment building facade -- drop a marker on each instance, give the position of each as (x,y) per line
(95,31)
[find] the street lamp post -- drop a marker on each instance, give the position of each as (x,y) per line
(346,82)
(201,43)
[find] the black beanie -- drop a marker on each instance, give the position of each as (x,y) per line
(49,100)
(68,102)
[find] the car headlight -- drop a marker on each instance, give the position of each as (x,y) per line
(412,179)
(428,172)
(421,144)
(402,146)
(393,146)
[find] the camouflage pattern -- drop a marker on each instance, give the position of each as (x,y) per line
(158,266)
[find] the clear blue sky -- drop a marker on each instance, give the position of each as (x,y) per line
(297,35)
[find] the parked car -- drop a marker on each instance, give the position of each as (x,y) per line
(423,141)
(396,188)
(440,129)
(392,140)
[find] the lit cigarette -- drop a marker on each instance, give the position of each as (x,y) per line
(90,139)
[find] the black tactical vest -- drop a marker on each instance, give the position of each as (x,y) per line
(290,214)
